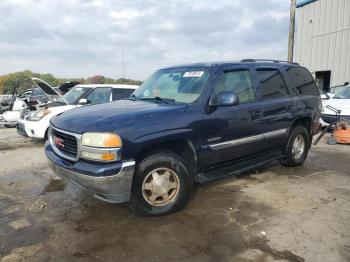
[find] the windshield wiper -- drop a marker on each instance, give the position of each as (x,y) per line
(161,99)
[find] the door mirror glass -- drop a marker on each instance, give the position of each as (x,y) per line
(225,98)
(83,101)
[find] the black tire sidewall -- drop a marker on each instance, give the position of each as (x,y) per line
(152,162)
(289,159)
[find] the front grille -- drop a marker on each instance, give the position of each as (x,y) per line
(66,143)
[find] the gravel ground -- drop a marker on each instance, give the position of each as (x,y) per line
(270,213)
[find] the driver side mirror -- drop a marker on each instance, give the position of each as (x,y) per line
(225,98)
(83,101)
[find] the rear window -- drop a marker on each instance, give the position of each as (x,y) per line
(272,84)
(120,93)
(302,81)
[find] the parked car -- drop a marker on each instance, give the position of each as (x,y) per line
(336,89)
(35,123)
(31,98)
(340,101)
(196,122)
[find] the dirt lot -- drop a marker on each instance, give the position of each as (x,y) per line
(273,213)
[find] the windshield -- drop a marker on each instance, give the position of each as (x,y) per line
(183,85)
(72,96)
(343,93)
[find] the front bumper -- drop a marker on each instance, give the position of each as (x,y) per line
(329,119)
(21,130)
(108,182)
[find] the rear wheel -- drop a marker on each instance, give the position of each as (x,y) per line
(297,147)
(162,185)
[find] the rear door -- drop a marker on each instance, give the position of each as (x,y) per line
(277,105)
(120,93)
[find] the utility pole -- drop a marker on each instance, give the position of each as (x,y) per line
(291,30)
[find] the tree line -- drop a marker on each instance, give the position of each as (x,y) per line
(20,81)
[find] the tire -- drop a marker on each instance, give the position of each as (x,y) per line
(332,141)
(10,126)
(151,172)
(296,156)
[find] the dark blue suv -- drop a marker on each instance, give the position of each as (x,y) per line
(186,124)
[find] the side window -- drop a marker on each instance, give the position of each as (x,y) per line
(272,84)
(302,81)
(25,94)
(99,95)
(238,82)
(120,93)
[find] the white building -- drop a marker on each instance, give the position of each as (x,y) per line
(322,40)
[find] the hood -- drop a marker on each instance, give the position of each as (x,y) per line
(48,90)
(340,104)
(116,116)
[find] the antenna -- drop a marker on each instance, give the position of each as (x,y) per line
(123,71)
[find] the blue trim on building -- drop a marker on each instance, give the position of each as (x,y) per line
(301,3)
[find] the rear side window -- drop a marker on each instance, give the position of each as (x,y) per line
(302,81)
(120,93)
(272,84)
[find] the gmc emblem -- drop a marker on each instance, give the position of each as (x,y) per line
(58,141)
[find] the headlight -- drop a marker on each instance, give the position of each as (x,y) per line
(37,115)
(101,146)
(101,140)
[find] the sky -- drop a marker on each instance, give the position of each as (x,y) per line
(82,38)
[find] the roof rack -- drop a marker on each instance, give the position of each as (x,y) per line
(267,60)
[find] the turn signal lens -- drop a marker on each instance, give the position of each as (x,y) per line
(101,140)
(99,156)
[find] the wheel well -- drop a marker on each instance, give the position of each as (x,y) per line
(305,121)
(181,147)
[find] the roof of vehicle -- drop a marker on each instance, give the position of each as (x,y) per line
(109,85)
(262,62)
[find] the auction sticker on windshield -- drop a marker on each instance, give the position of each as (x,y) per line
(193,74)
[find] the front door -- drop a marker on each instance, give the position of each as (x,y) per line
(234,131)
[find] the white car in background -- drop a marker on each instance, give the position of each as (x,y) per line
(35,124)
(339,101)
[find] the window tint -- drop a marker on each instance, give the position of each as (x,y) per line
(272,84)
(120,93)
(302,81)
(99,95)
(238,82)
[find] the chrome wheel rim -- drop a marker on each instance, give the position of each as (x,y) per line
(298,147)
(160,187)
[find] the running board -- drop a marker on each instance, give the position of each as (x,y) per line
(238,167)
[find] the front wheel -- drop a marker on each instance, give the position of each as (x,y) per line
(162,185)
(297,147)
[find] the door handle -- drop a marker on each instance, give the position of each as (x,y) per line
(257,114)
(289,108)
